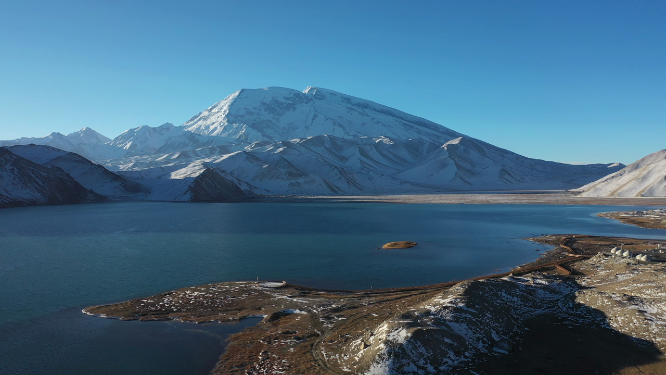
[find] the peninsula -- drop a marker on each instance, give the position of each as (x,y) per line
(652,219)
(575,302)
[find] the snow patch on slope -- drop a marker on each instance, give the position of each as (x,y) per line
(441,335)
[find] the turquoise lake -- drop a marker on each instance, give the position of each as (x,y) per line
(56,260)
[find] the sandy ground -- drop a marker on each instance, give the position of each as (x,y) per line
(505,197)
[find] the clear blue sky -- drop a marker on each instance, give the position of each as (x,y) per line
(569,81)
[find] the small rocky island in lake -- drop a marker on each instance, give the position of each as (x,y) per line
(399,245)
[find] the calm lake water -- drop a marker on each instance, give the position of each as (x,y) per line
(56,260)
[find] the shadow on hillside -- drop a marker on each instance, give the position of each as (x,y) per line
(576,340)
(565,338)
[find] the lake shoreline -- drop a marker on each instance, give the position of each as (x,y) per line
(554,197)
(309,330)
(650,219)
(96,254)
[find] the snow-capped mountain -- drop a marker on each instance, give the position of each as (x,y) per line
(23,182)
(282,141)
(92,176)
(87,136)
(276,114)
(644,178)
(331,165)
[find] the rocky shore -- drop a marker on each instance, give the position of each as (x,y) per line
(557,197)
(652,219)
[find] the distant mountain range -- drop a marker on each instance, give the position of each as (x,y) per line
(86,142)
(644,178)
(279,141)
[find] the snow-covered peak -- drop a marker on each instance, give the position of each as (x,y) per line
(83,137)
(53,135)
(89,136)
(277,113)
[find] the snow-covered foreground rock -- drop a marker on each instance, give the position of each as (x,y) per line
(472,320)
(281,141)
(644,178)
(23,182)
(481,319)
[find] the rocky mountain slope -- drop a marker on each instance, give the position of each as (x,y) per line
(194,184)
(282,141)
(211,186)
(92,176)
(331,165)
(23,182)
(644,178)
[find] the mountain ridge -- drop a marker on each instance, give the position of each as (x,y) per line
(90,175)
(26,183)
(283,141)
(643,178)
